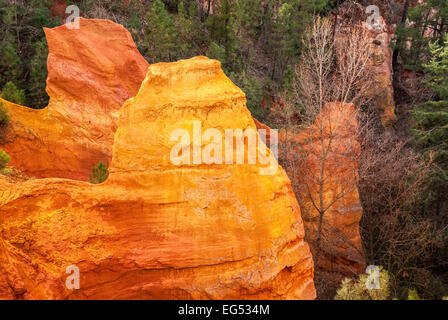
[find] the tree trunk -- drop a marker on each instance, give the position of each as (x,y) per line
(318,239)
(335,20)
(398,42)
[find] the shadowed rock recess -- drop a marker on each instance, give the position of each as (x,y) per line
(153,230)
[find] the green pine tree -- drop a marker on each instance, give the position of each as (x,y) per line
(293,17)
(99,173)
(10,63)
(23,47)
(220,27)
(189,33)
(425,21)
(437,69)
(13,94)
(431,120)
(38,76)
(161,34)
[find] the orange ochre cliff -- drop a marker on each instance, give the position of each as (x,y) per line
(154,229)
(337,247)
(91,72)
(380,62)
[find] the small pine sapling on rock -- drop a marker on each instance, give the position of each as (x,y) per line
(99,173)
(4,159)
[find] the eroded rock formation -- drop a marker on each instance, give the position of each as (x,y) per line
(154,229)
(58,7)
(91,72)
(336,246)
(380,64)
(329,174)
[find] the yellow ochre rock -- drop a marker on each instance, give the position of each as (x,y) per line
(154,229)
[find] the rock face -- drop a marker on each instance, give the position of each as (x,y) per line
(156,230)
(339,251)
(57,8)
(380,63)
(91,72)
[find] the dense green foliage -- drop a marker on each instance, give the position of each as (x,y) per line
(426,21)
(161,33)
(431,117)
(431,136)
(11,93)
(99,173)
(23,49)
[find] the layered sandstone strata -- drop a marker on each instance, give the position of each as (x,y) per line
(91,72)
(156,230)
